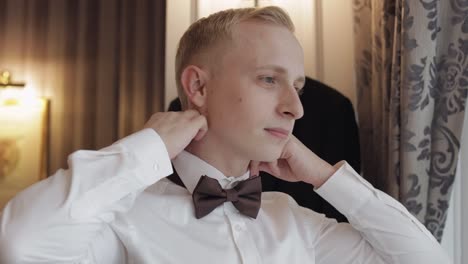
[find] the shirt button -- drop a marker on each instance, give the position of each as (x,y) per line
(156,167)
(238,227)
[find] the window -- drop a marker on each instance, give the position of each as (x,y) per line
(455,239)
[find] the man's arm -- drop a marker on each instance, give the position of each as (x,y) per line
(381,230)
(64,219)
(57,219)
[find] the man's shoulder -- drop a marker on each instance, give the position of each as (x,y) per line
(278,200)
(278,205)
(274,195)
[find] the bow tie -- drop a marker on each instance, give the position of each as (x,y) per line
(208,194)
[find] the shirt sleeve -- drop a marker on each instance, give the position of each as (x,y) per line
(57,220)
(380,229)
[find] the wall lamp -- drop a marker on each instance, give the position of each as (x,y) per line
(6,81)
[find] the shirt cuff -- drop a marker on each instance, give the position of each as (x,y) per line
(151,151)
(346,190)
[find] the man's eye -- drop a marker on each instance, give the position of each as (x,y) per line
(269,79)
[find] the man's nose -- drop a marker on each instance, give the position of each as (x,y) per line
(291,105)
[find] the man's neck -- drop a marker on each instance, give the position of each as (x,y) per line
(225,161)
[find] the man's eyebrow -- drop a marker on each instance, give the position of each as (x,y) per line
(276,68)
(300,80)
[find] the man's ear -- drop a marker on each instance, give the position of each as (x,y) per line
(193,81)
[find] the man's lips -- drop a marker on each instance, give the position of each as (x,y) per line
(278,132)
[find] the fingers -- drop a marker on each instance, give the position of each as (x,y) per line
(178,129)
(191,113)
(202,125)
(269,167)
(254,168)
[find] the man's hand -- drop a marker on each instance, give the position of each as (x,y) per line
(178,129)
(296,163)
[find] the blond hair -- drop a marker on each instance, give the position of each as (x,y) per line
(209,31)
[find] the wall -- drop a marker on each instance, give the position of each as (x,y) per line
(338,46)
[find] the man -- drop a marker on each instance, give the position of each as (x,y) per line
(116,206)
(329,129)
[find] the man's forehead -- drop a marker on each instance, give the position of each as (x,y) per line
(263,36)
(254,45)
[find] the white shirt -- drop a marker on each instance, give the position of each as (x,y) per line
(116,206)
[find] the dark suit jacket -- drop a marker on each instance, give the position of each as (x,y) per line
(329,129)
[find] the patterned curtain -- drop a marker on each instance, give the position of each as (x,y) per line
(100,62)
(412,79)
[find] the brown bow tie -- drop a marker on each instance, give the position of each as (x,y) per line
(208,194)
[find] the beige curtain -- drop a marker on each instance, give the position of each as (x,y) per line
(100,62)
(412,79)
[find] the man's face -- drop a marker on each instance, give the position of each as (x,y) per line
(252,99)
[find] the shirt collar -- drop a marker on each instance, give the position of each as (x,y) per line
(190,168)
